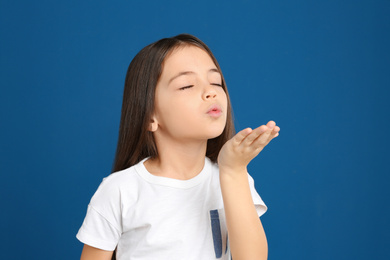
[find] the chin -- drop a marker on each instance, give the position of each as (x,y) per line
(215,133)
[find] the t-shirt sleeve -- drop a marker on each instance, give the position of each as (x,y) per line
(102,226)
(261,208)
(97,232)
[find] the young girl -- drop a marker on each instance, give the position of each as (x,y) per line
(180,188)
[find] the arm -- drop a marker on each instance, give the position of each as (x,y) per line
(92,253)
(246,234)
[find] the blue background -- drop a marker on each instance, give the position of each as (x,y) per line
(320,69)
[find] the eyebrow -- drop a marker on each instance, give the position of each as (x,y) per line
(190,72)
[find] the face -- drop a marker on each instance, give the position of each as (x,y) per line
(190,103)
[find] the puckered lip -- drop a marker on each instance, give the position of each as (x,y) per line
(214,108)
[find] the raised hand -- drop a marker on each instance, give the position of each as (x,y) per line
(236,154)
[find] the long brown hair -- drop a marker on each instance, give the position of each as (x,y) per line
(135,141)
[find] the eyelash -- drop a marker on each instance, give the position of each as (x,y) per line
(190,86)
(183,88)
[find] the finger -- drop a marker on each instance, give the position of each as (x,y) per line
(255,134)
(271,124)
(263,140)
(258,132)
(240,136)
(275,131)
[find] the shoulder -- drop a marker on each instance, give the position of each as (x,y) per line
(114,187)
(120,178)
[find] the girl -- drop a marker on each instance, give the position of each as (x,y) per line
(180,188)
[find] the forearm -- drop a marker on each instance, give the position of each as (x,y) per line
(246,234)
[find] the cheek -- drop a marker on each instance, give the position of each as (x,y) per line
(172,113)
(224,101)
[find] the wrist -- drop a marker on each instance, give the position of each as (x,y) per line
(232,172)
(231,169)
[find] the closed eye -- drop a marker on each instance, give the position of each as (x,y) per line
(186,87)
(216,84)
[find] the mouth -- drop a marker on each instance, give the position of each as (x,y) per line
(214,111)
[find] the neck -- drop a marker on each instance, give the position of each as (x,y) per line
(178,160)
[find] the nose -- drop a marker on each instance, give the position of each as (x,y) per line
(209,93)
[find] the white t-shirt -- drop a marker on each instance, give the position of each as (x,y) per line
(151,217)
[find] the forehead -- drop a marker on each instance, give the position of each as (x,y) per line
(187,57)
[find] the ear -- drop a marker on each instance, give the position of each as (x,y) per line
(153,124)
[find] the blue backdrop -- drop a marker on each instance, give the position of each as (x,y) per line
(320,69)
